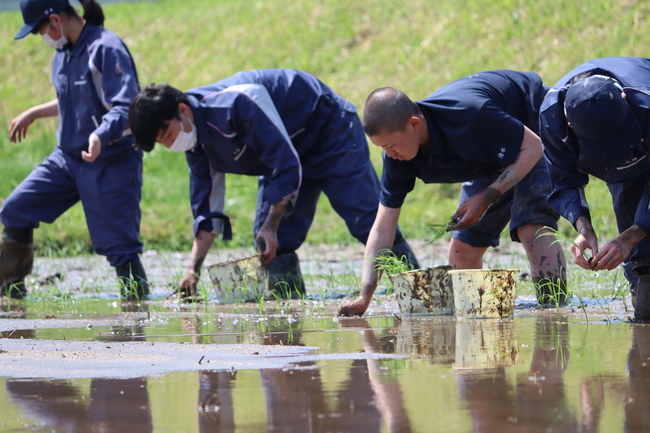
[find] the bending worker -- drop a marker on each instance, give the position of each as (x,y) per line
(283,125)
(595,122)
(480,130)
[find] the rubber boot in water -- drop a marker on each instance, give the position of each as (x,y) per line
(401,248)
(285,277)
(642,304)
(16,261)
(133,280)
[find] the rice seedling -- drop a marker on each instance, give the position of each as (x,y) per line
(391,264)
(560,237)
(438,231)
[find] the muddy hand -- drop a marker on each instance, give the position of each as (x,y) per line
(578,248)
(354,308)
(267,245)
(187,285)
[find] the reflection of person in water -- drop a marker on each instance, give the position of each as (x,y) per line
(537,402)
(296,400)
(115,405)
(540,392)
(637,416)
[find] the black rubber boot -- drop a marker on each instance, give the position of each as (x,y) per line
(285,277)
(16,261)
(642,304)
(401,248)
(133,280)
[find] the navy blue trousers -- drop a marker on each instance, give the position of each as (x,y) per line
(338,165)
(109,190)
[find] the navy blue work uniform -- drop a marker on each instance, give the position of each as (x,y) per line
(626,177)
(95,81)
(294,132)
(476,127)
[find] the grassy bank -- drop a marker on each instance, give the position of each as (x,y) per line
(353,47)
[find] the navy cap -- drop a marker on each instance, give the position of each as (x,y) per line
(601,118)
(35,11)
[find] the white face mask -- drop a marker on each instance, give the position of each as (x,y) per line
(56,44)
(184,140)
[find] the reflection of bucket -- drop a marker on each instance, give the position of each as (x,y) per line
(424,291)
(485,344)
(239,280)
(484,292)
(433,339)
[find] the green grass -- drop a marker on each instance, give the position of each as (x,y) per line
(354,47)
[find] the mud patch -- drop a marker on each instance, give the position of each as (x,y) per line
(56,359)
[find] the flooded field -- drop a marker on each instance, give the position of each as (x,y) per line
(74,358)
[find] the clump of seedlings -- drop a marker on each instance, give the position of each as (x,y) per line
(391,264)
(438,231)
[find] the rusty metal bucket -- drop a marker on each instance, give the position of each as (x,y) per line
(484,293)
(424,291)
(243,280)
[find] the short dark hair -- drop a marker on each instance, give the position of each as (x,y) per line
(387,110)
(151,111)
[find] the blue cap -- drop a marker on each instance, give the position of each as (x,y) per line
(35,11)
(601,118)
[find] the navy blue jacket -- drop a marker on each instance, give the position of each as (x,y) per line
(95,82)
(260,122)
(476,127)
(568,168)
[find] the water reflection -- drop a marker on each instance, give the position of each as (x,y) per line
(467,375)
(637,415)
(113,405)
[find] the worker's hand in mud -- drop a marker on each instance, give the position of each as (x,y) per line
(187,285)
(354,308)
(470,212)
(18,128)
(267,244)
(94,148)
(582,244)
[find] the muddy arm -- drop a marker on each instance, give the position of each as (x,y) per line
(381,238)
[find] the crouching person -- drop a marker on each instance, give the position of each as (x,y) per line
(480,130)
(284,126)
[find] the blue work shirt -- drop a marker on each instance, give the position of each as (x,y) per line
(568,168)
(263,123)
(476,127)
(95,82)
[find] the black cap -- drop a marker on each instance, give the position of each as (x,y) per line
(601,118)
(35,11)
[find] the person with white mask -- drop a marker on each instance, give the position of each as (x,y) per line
(95,160)
(283,125)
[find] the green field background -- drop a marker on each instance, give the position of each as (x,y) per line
(354,47)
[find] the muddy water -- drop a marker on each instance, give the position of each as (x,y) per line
(81,361)
(550,370)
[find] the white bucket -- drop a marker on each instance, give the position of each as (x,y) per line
(243,280)
(485,344)
(483,293)
(424,291)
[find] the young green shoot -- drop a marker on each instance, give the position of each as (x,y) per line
(561,237)
(391,264)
